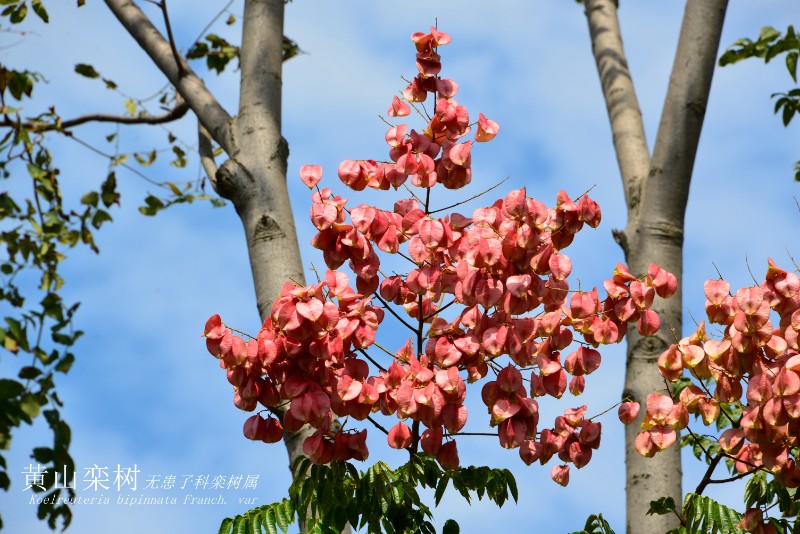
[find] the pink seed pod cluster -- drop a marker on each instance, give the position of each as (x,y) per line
(489,287)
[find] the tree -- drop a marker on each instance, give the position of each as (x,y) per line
(656,193)
(394,69)
(253,182)
(769,45)
(484,299)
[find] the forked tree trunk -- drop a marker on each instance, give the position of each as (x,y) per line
(656,192)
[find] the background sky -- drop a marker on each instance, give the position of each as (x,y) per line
(145,392)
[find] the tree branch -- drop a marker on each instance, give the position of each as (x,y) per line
(173,114)
(208,110)
(624,113)
(707,476)
(206,154)
(738,476)
(675,149)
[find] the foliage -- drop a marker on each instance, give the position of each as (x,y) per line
(37,230)
(40,228)
(218,52)
(596,524)
(378,498)
(699,515)
(769,45)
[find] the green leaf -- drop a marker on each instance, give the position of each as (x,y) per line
(767,34)
(397,494)
(43,455)
(108,190)
(451,527)
(754,490)
(90,199)
(791,65)
(19,14)
(282,519)
(130,107)
(511,483)
(269,520)
(788,113)
(29,372)
(197,51)
(179,162)
(100,217)
(440,488)
(682,383)
(239,525)
(30,406)
(174,189)
(86,70)
(39,9)
(153,205)
(64,365)
(703,514)
(596,524)
(387,525)
(145,162)
(662,506)
(290,49)
(10,388)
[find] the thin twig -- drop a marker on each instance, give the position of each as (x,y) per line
(733,478)
(377,425)
(406,257)
(412,193)
(367,356)
(384,349)
(606,411)
(390,310)
(171,39)
(111,157)
(212,21)
(718,271)
(797,267)
(437,312)
(387,123)
(747,262)
(470,198)
(238,331)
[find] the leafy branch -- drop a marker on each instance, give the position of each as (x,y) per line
(379,499)
(769,45)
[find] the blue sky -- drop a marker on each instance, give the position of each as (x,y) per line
(144,391)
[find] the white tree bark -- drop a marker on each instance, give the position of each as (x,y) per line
(656,192)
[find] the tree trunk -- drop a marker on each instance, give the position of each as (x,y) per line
(656,192)
(254,176)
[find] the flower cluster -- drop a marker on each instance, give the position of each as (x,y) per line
(503,271)
(753,369)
